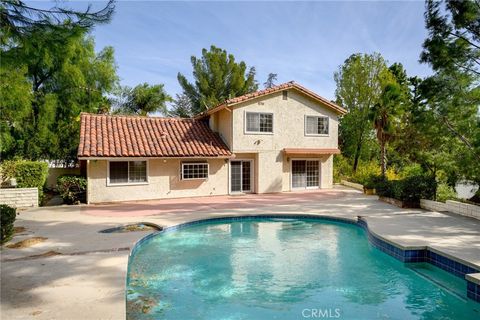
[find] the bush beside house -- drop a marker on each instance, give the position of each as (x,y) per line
(72,188)
(7,219)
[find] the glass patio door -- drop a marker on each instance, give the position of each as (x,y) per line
(305,174)
(299,174)
(240,176)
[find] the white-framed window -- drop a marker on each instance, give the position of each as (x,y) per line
(127,172)
(316,125)
(258,122)
(193,171)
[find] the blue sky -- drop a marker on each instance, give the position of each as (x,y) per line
(301,41)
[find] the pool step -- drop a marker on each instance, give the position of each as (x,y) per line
(441,278)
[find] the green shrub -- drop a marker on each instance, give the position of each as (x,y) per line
(7,170)
(29,174)
(383,188)
(391,174)
(418,187)
(410,189)
(72,188)
(7,218)
(364,171)
(372,181)
(445,192)
(411,170)
(397,189)
(342,168)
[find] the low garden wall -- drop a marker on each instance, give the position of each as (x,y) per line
(352,185)
(399,203)
(461,208)
(19,197)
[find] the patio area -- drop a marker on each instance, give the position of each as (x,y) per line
(79,273)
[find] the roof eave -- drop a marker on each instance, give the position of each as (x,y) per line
(153,157)
(295,86)
(312,151)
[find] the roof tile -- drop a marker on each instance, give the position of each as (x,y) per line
(132,136)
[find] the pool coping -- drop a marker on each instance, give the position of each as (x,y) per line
(406,254)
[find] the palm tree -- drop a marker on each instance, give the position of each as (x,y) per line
(385,115)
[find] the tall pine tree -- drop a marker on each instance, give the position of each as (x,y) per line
(217,77)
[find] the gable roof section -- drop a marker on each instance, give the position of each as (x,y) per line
(265,92)
(134,136)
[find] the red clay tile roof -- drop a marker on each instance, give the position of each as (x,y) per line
(132,136)
(280,87)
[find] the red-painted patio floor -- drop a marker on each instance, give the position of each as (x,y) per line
(180,205)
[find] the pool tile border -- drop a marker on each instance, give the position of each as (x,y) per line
(406,255)
(473,291)
(420,254)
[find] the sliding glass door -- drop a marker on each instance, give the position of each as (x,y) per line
(241,176)
(305,174)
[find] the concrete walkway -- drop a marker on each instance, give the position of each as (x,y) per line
(84,278)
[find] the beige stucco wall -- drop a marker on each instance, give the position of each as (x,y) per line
(326,172)
(288,124)
(163,182)
(221,122)
(225,126)
(272,173)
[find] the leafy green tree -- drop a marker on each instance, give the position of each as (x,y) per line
(141,100)
(19,19)
(454,36)
(65,77)
(452,96)
(15,103)
(359,89)
(271,80)
(454,111)
(217,77)
(181,107)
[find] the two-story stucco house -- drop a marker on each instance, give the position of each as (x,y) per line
(274,140)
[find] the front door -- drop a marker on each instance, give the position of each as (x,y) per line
(240,176)
(305,174)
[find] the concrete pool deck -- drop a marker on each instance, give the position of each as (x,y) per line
(84,276)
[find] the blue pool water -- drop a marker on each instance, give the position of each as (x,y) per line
(284,269)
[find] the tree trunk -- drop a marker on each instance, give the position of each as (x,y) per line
(357,151)
(357,156)
(383,157)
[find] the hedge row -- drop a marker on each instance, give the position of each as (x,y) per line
(29,174)
(409,189)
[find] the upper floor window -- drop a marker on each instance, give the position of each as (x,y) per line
(315,125)
(121,172)
(259,122)
(191,171)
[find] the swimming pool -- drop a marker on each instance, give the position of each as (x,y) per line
(269,268)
